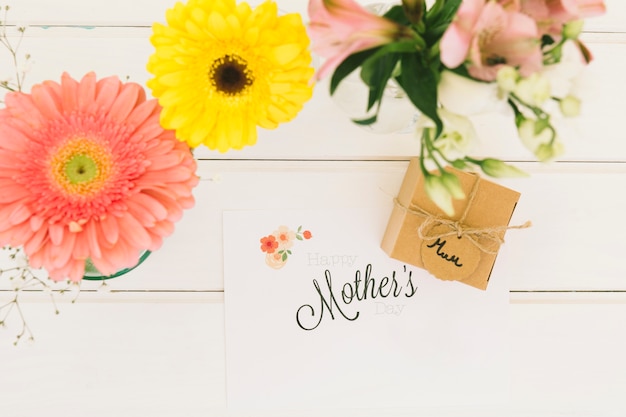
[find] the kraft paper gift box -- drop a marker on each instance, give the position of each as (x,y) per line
(462,247)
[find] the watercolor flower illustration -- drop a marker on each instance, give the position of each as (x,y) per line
(269,244)
(222,69)
(277,246)
(87,172)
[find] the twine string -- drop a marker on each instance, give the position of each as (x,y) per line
(492,234)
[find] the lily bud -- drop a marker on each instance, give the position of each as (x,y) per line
(506,78)
(439,193)
(570,106)
(413,9)
(533,134)
(452,183)
(498,169)
(571,30)
(547,152)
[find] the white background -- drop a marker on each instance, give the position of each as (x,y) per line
(154,344)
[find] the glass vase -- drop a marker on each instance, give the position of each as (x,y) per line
(397,114)
(92,273)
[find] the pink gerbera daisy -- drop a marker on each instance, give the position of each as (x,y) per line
(86,171)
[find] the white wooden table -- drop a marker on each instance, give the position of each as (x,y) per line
(153,343)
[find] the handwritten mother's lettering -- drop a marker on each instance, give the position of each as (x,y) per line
(362,288)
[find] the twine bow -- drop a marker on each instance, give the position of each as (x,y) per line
(492,235)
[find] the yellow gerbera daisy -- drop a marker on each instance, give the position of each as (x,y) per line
(221,69)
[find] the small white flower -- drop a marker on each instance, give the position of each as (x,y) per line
(570,106)
(462,95)
(457,137)
(507,78)
(563,75)
(533,90)
(533,135)
(540,139)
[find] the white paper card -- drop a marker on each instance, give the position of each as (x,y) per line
(318,316)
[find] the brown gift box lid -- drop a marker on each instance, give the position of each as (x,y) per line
(468,258)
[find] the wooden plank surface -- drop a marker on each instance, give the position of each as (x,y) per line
(144,12)
(129,355)
(152,343)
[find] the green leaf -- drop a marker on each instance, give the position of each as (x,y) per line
(375,73)
(397,15)
(284,258)
(298,237)
(442,12)
(401,46)
(439,17)
(348,66)
(366,122)
(420,84)
(378,68)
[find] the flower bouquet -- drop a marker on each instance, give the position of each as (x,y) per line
(450,59)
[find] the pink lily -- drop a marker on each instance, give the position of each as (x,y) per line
(339,28)
(551,15)
(488,36)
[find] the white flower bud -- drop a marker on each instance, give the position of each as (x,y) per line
(452,183)
(547,152)
(540,138)
(498,169)
(533,90)
(439,193)
(506,78)
(571,30)
(533,135)
(570,106)
(458,134)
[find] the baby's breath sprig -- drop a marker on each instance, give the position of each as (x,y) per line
(15,270)
(20,63)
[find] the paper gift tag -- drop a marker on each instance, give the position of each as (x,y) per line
(449,257)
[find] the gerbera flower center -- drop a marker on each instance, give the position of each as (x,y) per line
(230,75)
(80,167)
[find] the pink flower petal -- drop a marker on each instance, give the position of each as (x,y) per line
(125,102)
(134,232)
(69,93)
(109,229)
(142,112)
(87,91)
